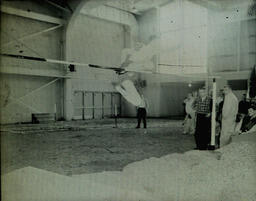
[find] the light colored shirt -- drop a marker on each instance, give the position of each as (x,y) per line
(189,105)
(143,103)
(142,55)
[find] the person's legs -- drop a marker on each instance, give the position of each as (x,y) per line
(228,128)
(138,117)
(198,130)
(190,131)
(144,118)
(217,136)
(202,132)
(197,140)
(193,123)
(186,125)
(206,132)
(225,139)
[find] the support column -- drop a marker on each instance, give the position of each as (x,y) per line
(158,36)
(93,105)
(68,95)
(238,46)
(111,100)
(102,104)
(120,107)
(83,103)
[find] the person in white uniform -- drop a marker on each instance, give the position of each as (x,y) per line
(130,93)
(229,112)
(142,57)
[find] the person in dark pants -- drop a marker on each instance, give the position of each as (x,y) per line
(203,106)
(220,102)
(242,108)
(249,121)
(142,112)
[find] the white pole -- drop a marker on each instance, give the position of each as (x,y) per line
(115,110)
(213,120)
(158,38)
(115,116)
(55,111)
(55,108)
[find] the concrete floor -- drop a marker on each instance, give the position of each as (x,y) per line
(78,147)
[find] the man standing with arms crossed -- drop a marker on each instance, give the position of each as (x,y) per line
(203,105)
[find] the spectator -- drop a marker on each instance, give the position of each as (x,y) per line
(195,94)
(219,103)
(142,112)
(202,107)
(229,112)
(249,121)
(189,122)
(219,107)
(242,108)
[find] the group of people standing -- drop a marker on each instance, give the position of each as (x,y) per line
(198,107)
(231,117)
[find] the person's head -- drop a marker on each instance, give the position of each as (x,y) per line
(138,45)
(130,74)
(202,92)
(195,94)
(252,110)
(244,97)
(227,89)
(210,92)
(189,95)
(150,39)
(221,93)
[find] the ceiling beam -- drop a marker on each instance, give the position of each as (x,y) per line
(32,35)
(128,11)
(234,75)
(207,4)
(58,6)
(13,70)
(31,15)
